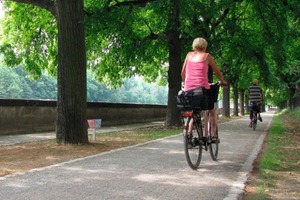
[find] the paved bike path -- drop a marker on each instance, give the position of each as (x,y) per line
(154,170)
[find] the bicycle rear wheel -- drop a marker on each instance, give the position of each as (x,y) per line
(193,146)
(213,146)
(254,121)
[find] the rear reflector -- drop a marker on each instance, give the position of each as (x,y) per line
(187,114)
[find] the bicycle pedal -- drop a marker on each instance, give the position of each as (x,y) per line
(203,141)
(195,142)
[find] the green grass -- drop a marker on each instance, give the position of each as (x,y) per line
(156,134)
(275,157)
(294,113)
(272,158)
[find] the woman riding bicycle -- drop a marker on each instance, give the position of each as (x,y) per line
(195,75)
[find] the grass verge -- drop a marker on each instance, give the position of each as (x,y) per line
(277,170)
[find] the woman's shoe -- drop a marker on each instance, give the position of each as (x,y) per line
(215,139)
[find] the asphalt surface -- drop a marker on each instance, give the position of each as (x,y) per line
(154,170)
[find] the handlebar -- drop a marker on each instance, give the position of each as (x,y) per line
(218,83)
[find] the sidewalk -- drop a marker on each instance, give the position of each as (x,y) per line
(22,138)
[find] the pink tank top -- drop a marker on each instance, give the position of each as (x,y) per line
(196,75)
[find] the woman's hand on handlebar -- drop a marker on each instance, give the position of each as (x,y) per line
(223,83)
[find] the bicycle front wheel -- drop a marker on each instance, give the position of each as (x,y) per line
(213,146)
(193,146)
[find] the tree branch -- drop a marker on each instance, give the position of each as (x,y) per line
(221,18)
(45,4)
(141,3)
(152,34)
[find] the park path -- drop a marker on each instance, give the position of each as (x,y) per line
(155,170)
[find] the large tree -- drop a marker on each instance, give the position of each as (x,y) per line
(71,126)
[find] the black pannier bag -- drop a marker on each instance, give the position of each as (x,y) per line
(194,99)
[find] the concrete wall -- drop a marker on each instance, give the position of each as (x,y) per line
(29,116)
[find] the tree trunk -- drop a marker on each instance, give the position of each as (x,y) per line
(226,100)
(242,107)
(247,102)
(235,100)
(291,102)
(72,100)
(175,64)
(296,99)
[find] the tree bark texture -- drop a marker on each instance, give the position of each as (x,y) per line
(175,64)
(235,100)
(247,102)
(72,97)
(242,107)
(226,100)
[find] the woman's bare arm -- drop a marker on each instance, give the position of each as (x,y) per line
(215,68)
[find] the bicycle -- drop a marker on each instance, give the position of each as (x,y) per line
(194,140)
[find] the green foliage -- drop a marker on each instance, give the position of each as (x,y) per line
(283,76)
(129,38)
(17,84)
(127,41)
(10,83)
(28,36)
(134,90)
(25,87)
(255,47)
(113,34)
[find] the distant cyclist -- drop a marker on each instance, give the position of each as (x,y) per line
(255,100)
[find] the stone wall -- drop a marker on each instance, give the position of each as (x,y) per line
(29,116)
